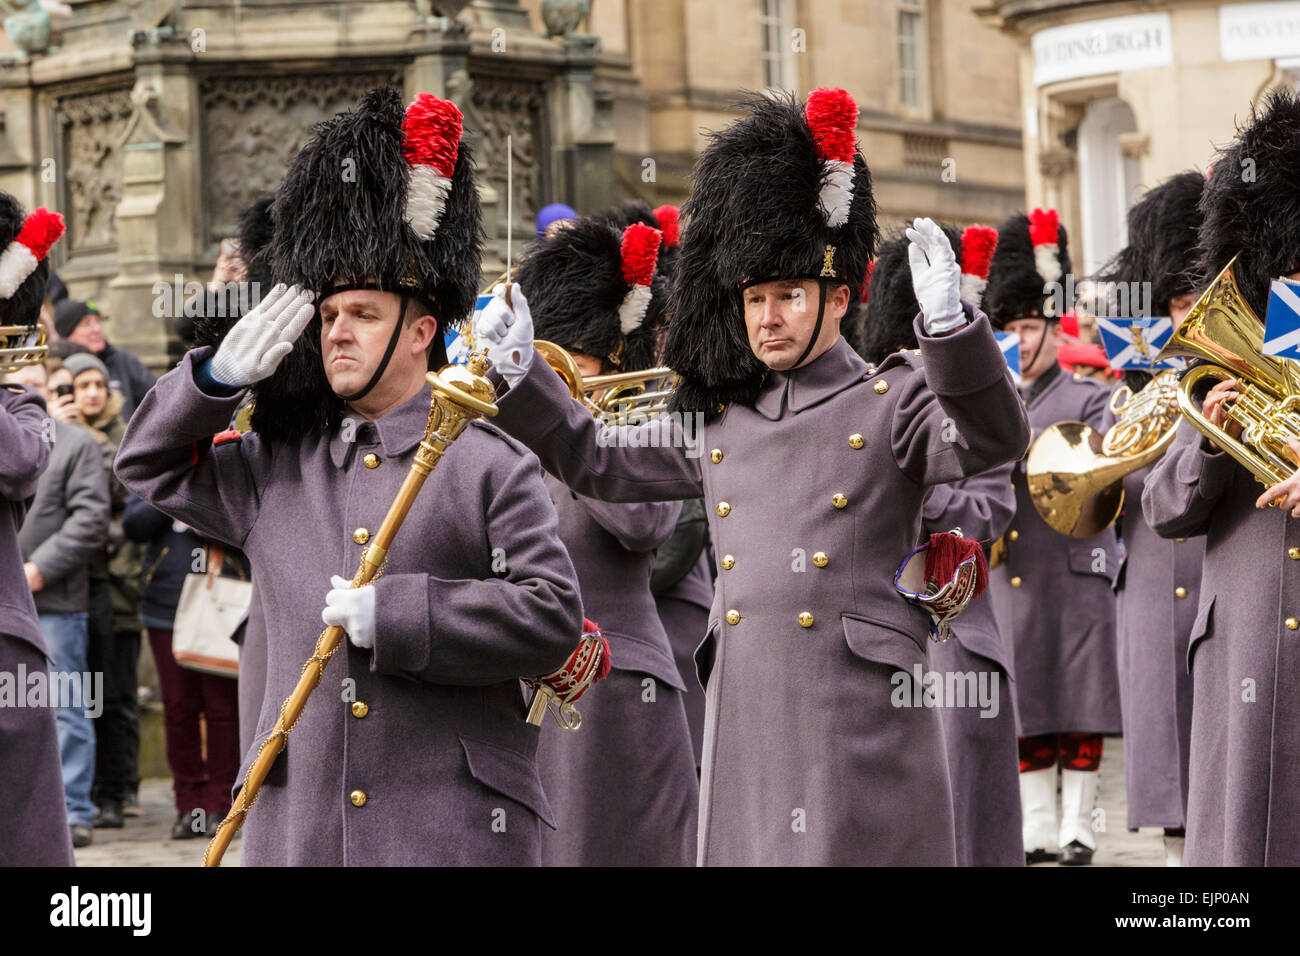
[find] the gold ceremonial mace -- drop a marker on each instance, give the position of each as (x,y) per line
(461,394)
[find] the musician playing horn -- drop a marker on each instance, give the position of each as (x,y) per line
(415,749)
(813,469)
(1244,783)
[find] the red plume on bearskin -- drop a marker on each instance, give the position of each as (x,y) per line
(977,245)
(866,283)
(833,118)
(432,130)
(1044,233)
(669,217)
(41,230)
(640,252)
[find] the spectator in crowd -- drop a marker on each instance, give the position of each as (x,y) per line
(201,785)
(551,219)
(65,527)
(114,604)
(82,323)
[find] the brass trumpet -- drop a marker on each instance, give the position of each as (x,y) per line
(22,345)
(615,399)
(1224,330)
(1076,477)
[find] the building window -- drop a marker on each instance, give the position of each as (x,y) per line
(1109,181)
(776,19)
(913,56)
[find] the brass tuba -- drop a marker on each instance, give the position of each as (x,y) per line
(1076,477)
(1224,330)
(616,398)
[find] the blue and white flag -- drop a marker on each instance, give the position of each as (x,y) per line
(1282,323)
(1135,343)
(458,343)
(1009,343)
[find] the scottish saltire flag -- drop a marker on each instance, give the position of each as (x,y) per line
(1282,323)
(458,343)
(1010,346)
(1135,343)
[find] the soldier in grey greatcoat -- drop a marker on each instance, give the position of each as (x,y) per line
(814,471)
(1052,593)
(31,778)
(415,749)
(1244,651)
(623,788)
(979,727)
(1158,582)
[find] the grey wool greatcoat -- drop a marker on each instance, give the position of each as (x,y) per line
(980,736)
(34,831)
(415,752)
(1052,593)
(1157,594)
(1244,798)
(623,787)
(684,611)
(814,496)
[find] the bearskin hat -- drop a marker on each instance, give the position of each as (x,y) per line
(1032,253)
(24,270)
(782,193)
(1251,202)
(595,289)
(627,211)
(1162,236)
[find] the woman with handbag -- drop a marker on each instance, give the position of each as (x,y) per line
(185,571)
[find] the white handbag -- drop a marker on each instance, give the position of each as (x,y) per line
(210,610)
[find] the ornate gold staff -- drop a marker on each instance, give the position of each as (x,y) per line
(461,394)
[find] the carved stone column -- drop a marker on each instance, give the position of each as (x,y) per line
(584,129)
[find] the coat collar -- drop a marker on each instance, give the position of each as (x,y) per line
(829,374)
(1042,385)
(397,432)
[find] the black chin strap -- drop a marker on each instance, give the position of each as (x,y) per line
(388,354)
(817,329)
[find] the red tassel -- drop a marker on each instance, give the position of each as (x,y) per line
(592,629)
(833,117)
(670,222)
(977,246)
(640,251)
(1044,226)
(433,128)
(40,230)
(946,551)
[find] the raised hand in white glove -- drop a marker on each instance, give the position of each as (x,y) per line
(352,609)
(507,333)
(936,277)
(259,341)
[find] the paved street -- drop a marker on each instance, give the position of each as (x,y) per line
(146,841)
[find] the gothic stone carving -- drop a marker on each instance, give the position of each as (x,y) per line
(92,125)
(253,126)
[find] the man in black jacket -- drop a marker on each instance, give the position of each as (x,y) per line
(81,322)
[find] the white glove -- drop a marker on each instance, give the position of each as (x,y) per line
(507,333)
(352,609)
(259,341)
(936,277)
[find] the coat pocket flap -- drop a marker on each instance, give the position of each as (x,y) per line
(633,654)
(1202,627)
(883,642)
(509,773)
(1090,557)
(983,642)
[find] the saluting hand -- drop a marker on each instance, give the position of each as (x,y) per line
(936,277)
(352,609)
(259,341)
(507,333)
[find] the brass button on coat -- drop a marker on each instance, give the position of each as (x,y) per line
(839,501)
(724,509)
(371,460)
(1180,591)
(361,536)
(1015,582)
(728,562)
(805,619)
(360,708)
(1292,623)
(820,559)
(715,456)
(855,441)
(1293,554)
(733,617)
(881,387)
(1013,535)
(358,798)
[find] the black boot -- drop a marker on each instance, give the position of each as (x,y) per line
(109,816)
(188,826)
(1076,854)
